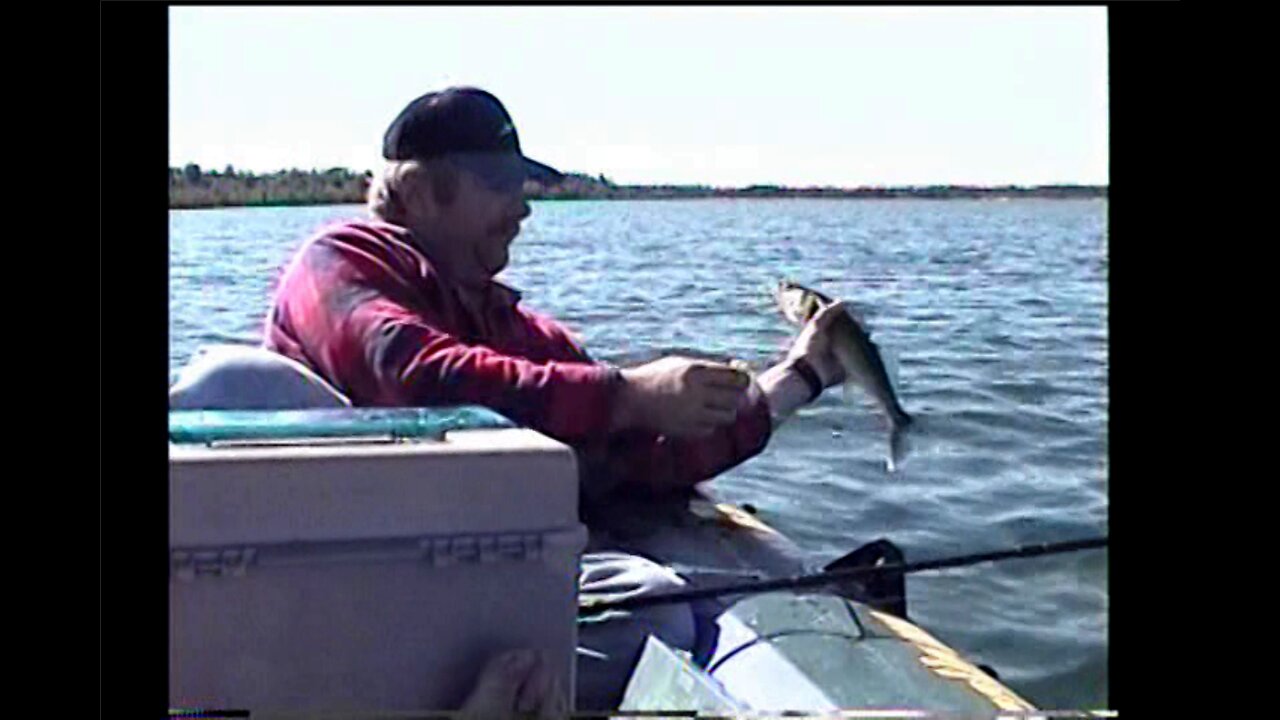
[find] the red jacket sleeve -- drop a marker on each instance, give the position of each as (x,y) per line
(410,362)
(656,464)
(357,312)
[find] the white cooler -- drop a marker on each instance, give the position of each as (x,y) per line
(375,575)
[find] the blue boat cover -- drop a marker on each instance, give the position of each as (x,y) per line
(208,426)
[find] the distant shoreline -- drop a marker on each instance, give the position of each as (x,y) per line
(191,188)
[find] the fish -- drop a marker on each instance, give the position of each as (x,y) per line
(858,355)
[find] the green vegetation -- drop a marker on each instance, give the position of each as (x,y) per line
(576,187)
(190,187)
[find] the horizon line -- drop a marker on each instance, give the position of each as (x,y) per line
(597,179)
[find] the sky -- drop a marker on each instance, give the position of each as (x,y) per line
(721,96)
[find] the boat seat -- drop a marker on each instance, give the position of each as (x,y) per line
(248,377)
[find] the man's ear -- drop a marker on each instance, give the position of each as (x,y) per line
(417,201)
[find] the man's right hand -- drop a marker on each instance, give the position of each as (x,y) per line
(680,397)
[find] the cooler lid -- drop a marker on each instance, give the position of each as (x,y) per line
(362,473)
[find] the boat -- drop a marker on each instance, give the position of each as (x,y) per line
(848,646)
(812,651)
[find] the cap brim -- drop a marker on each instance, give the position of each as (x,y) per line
(541,172)
(506,171)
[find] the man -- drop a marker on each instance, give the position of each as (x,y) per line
(402,309)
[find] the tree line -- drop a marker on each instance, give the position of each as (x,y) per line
(192,187)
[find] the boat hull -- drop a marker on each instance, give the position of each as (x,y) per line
(790,650)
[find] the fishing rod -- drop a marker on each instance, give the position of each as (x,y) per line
(829,577)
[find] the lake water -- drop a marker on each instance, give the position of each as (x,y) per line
(996,314)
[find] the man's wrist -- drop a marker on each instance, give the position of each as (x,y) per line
(784,391)
(809,375)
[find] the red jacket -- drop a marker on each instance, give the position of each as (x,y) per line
(363,307)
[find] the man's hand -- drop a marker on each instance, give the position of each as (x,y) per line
(680,397)
(814,344)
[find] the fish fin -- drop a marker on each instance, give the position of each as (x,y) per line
(859,315)
(890,367)
(899,446)
(849,390)
(823,298)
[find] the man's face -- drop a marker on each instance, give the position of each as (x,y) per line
(473,234)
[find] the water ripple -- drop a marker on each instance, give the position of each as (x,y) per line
(996,313)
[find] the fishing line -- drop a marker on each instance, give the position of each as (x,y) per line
(834,576)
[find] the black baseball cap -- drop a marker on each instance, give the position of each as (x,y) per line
(470,126)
